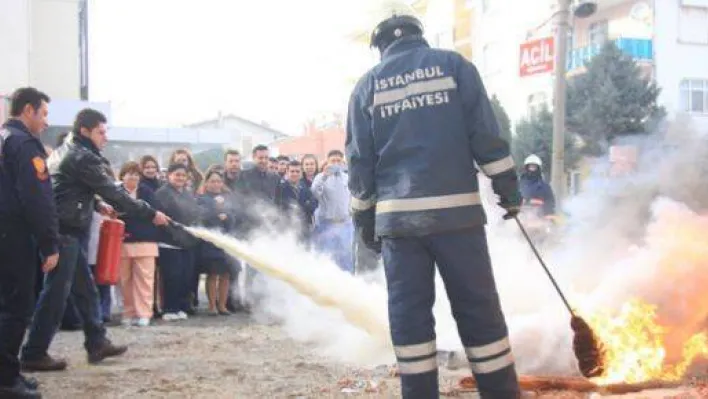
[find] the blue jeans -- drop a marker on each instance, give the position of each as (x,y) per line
(71,315)
(104,297)
(337,240)
(71,276)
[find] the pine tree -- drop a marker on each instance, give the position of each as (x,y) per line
(611,99)
(534,135)
(205,159)
(502,119)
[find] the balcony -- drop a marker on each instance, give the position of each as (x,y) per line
(638,49)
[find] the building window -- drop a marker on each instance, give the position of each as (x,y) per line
(694,96)
(536,102)
(598,32)
(693,25)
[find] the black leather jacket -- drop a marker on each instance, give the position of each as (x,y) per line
(79,173)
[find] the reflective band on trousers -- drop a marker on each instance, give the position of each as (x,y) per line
(492,365)
(423,87)
(360,205)
(494,348)
(427,203)
(415,350)
(418,366)
(498,167)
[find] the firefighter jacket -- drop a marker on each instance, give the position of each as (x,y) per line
(417,124)
(26,195)
(533,187)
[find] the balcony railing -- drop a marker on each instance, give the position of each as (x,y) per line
(638,49)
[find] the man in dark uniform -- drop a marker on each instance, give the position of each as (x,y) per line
(28,224)
(417,124)
(79,173)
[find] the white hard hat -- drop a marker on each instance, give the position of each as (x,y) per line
(392,14)
(533,159)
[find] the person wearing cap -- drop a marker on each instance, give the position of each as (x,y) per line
(534,188)
(417,124)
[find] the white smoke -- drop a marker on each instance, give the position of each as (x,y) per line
(599,258)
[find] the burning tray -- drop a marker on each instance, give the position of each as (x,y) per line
(576,384)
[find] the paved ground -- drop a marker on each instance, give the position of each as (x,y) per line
(228,357)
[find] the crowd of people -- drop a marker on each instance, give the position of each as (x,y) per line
(53,202)
(161,268)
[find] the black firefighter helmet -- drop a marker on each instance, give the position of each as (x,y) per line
(398,25)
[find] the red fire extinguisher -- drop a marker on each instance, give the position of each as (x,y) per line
(109,251)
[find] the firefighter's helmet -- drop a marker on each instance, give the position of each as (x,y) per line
(533,159)
(395,19)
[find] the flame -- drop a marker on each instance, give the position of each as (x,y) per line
(635,347)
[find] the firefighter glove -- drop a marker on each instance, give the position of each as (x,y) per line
(365,223)
(512,205)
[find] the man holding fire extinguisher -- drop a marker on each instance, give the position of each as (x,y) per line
(79,174)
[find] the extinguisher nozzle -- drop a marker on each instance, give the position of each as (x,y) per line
(177,225)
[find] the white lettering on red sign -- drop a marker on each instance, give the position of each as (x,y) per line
(536,57)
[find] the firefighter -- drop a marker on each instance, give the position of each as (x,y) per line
(417,122)
(533,187)
(28,227)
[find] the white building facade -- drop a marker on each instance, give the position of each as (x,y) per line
(39,45)
(44,44)
(667,38)
(681,52)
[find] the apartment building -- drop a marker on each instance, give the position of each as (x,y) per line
(667,38)
(44,43)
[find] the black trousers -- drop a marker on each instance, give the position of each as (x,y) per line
(18,272)
(177,273)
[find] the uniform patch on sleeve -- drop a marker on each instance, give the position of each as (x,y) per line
(40,167)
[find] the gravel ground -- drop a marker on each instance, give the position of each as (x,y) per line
(228,357)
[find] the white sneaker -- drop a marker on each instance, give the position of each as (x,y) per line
(171,317)
(127,322)
(182,315)
(142,322)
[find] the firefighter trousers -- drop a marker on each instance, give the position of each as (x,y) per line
(18,267)
(462,258)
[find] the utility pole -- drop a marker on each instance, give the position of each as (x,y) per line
(558,181)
